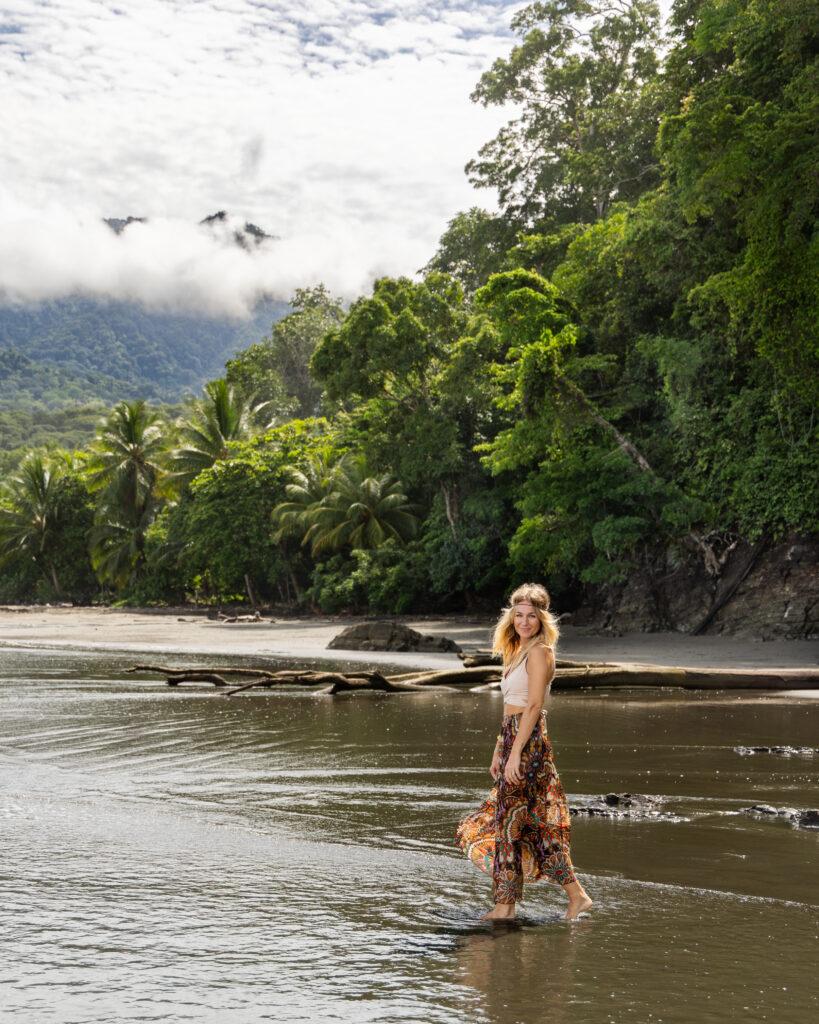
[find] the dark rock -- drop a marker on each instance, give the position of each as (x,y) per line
(621,805)
(388,636)
(765,809)
(784,751)
(798,819)
(669,588)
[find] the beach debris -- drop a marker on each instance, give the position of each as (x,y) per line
(330,682)
(255,617)
(480,679)
(798,818)
(385,635)
(784,751)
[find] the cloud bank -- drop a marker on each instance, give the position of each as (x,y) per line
(172,265)
(341,127)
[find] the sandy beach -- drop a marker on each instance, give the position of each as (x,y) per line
(142,632)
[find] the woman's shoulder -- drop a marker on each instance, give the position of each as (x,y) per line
(540,654)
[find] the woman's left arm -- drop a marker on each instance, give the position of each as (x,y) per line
(540,667)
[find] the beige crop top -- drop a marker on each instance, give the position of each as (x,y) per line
(515,685)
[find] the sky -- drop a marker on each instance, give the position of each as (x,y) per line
(341,127)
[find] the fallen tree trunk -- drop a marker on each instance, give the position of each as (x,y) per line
(484,658)
(687,678)
(333,682)
(451,677)
(569,676)
(175,676)
(579,676)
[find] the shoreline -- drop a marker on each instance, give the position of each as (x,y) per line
(191,634)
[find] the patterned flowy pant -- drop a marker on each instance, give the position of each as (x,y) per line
(521,831)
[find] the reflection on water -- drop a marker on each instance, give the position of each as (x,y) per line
(506,965)
(178,856)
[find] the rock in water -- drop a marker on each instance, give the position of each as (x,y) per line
(798,818)
(784,751)
(621,805)
(388,636)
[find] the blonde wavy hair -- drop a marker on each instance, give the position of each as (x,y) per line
(507,642)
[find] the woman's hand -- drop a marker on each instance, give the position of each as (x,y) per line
(512,772)
(494,768)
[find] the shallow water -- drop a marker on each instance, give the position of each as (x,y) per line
(176,855)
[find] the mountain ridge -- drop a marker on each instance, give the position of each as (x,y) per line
(76,349)
(111,344)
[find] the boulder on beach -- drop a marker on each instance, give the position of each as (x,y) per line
(388,636)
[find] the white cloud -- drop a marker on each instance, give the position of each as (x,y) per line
(342,127)
(170,264)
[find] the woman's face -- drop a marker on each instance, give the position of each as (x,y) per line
(526,622)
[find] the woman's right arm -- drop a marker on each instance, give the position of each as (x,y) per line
(494,768)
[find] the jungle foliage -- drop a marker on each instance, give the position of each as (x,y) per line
(625,357)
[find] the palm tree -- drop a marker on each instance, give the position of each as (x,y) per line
(124,467)
(118,548)
(29,515)
(126,452)
(218,418)
(355,511)
(308,488)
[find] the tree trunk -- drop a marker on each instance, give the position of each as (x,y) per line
(622,441)
(712,564)
(451,508)
(250,592)
(296,587)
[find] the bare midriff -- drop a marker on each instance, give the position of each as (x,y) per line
(512,709)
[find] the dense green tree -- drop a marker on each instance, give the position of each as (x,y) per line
(253,375)
(391,578)
(30,514)
(220,538)
(216,419)
(355,508)
(308,487)
(277,369)
(394,367)
(589,496)
(45,515)
(584,79)
(743,146)
(124,469)
(473,247)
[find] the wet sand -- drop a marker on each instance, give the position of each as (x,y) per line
(148,633)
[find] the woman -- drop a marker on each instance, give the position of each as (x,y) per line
(521,832)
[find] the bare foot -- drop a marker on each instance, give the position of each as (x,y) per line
(577,906)
(501,912)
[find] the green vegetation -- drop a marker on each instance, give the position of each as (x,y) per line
(81,351)
(623,361)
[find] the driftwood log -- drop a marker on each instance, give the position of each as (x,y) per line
(569,676)
(248,678)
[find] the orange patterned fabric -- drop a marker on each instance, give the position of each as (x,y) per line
(521,831)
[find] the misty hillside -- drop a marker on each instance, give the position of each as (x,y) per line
(80,350)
